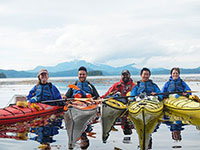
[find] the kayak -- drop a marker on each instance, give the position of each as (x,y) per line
(145,116)
(78,114)
(183,105)
(173,116)
(111,109)
(14,113)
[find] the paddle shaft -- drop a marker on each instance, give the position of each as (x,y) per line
(56,100)
(68,99)
(164,93)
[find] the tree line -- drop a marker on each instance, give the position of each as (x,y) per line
(2,75)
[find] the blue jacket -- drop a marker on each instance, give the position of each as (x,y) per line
(85,88)
(175,85)
(145,87)
(44,92)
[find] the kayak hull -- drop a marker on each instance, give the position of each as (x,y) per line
(78,115)
(145,115)
(13,113)
(183,105)
(110,110)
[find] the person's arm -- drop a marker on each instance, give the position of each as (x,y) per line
(157,90)
(56,93)
(186,87)
(110,90)
(134,92)
(165,87)
(95,94)
(30,95)
(69,93)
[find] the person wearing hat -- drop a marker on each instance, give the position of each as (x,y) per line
(122,87)
(87,90)
(118,89)
(145,85)
(44,90)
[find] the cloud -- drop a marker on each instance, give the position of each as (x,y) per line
(154,34)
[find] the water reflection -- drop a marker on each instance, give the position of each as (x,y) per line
(43,129)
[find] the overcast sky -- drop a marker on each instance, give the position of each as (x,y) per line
(150,33)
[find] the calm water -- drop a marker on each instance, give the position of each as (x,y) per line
(162,139)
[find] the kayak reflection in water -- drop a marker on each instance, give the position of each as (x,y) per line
(119,89)
(46,132)
(44,90)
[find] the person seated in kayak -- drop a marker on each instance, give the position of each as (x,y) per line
(122,87)
(145,85)
(44,90)
(87,90)
(175,83)
(118,89)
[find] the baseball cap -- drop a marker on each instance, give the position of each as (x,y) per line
(125,72)
(42,71)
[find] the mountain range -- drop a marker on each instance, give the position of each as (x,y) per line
(71,69)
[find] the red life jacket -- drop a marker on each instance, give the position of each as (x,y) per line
(121,87)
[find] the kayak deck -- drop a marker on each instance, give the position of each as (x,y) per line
(14,113)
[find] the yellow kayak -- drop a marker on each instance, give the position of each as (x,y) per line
(145,116)
(185,119)
(111,109)
(183,105)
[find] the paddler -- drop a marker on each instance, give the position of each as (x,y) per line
(122,87)
(44,90)
(118,89)
(145,85)
(175,83)
(87,90)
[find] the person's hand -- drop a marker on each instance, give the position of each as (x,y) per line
(78,95)
(88,95)
(186,95)
(153,93)
(64,97)
(33,100)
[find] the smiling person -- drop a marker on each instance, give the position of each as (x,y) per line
(87,90)
(44,90)
(145,85)
(122,87)
(175,83)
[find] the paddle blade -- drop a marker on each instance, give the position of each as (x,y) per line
(192,91)
(73,86)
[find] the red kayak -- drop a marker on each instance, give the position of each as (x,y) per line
(14,113)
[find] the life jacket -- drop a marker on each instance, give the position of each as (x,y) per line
(124,88)
(146,87)
(44,92)
(85,88)
(175,85)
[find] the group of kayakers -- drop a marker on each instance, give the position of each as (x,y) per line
(45,90)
